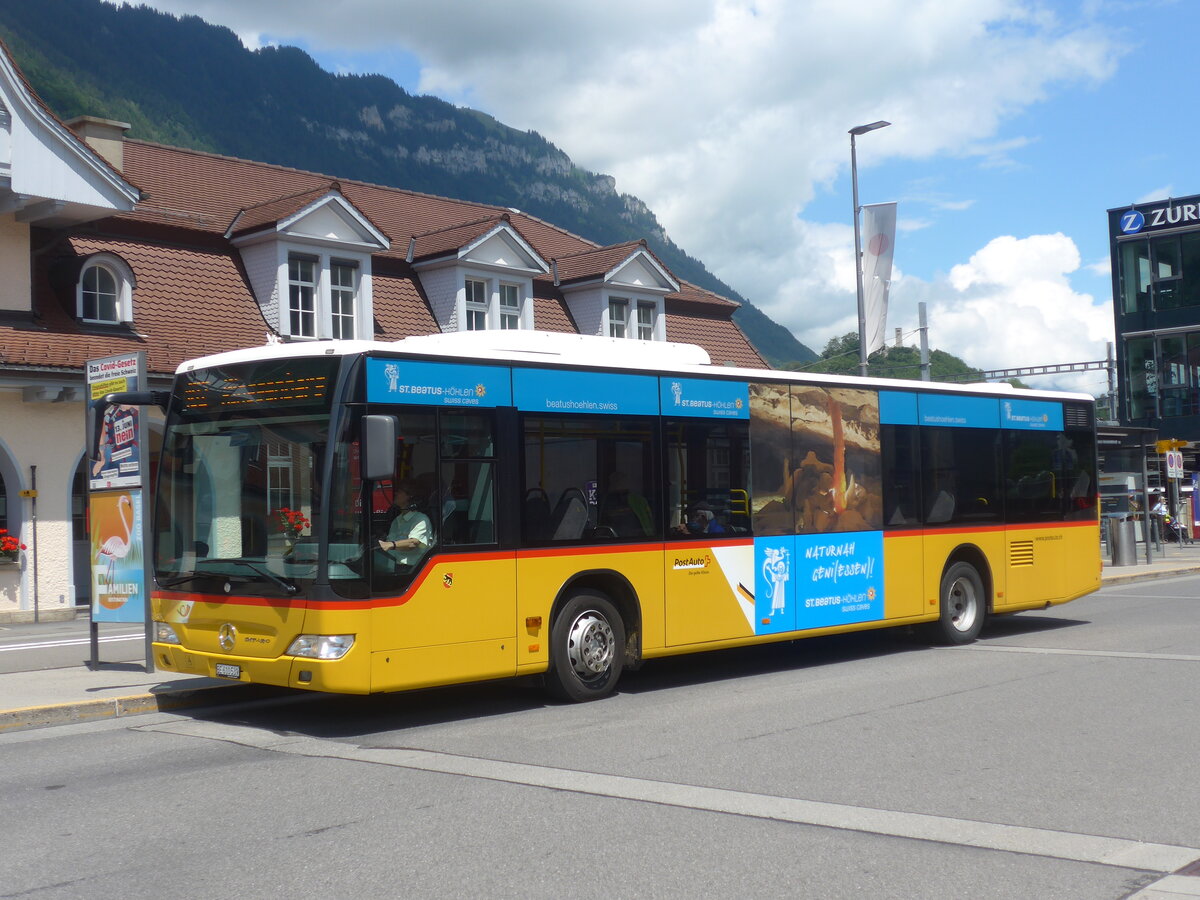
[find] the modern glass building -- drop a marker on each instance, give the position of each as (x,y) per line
(1155,251)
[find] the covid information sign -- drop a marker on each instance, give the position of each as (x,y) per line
(118,473)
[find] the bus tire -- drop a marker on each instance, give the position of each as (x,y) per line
(587,648)
(963,605)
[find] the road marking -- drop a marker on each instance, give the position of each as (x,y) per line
(1053,651)
(1087,848)
(70,642)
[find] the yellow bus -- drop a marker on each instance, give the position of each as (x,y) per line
(360,517)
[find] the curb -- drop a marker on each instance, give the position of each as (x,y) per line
(133,705)
(1121,577)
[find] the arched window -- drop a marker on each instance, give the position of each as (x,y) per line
(99,294)
(105,290)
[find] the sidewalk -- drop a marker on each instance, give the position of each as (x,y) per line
(78,694)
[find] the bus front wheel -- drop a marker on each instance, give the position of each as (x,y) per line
(587,649)
(963,605)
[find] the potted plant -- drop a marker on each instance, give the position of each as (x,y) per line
(9,547)
(292,523)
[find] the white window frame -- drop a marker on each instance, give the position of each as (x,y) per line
(343,324)
(122,277)
(618,317)
(325,261)
(625,317)
(476,302)
(487,311)
(644,330)
(508,315)
(301,289)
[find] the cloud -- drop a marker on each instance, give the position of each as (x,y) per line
(728,117)
(1011,305)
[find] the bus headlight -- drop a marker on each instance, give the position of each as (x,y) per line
(321,646)
(165,634)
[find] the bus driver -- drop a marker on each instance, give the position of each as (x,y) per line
(410,533)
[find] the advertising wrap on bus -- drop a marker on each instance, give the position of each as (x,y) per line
(572,520)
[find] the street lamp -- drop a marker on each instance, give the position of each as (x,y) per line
(862,313)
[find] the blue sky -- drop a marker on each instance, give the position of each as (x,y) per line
(1016,125)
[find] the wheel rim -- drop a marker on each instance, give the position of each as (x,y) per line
(964,604)
(590,645)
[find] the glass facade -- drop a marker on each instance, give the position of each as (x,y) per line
(1156,292)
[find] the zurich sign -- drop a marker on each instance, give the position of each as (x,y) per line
(1132,222)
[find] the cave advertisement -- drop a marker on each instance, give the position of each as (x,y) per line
(817,508)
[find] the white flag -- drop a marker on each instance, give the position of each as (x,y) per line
(879,238)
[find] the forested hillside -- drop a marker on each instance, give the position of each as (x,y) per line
(187,83)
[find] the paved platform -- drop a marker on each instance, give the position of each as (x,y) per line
(77,694)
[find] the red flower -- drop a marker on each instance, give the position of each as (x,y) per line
(291,521)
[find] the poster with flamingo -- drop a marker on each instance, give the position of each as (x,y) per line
(118,575)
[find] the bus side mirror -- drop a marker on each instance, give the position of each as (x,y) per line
(378,461)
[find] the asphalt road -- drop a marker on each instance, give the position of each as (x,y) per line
(58,645)
(1053,758)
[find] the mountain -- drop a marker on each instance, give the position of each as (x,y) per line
(183,82)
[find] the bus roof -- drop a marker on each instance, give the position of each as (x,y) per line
(544,348)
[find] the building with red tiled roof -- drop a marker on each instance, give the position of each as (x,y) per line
(112,246)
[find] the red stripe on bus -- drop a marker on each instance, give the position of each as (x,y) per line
(552,552)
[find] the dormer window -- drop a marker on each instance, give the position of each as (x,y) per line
(309,260)
(618,316)
(104,294)
(475,306)
(633,318)
(492,304)
(343,293)
(478,276)
(647,313)
(617,292)
(510,306)
(302,296)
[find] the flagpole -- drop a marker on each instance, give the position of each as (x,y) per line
(858,278)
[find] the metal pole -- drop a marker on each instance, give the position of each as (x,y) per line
(858,279)
(33,516)
(1112,383)
(924,329)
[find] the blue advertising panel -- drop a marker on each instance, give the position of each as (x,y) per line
(897,408)
(704,399)
(774,587)
(839,578)
(958,411)
(118,574)
(1031,415)
(436,383)
(817,580)
(559,390)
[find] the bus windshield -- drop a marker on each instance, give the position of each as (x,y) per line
(239,487)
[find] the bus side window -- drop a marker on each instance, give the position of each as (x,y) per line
(465,499)
(962,475)
(596,474)
(901,457)
(707,473)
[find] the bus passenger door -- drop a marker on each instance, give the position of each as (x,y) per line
(709,590)
(453,617)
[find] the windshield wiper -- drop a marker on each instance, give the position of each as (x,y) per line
(282,583)
(182,579)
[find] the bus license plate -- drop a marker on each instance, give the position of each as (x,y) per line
(224,670)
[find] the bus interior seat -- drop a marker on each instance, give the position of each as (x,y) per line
(536,515)
(570,515)
(942,508)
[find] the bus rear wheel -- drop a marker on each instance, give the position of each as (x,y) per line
(587,649)
(963,605)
